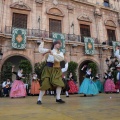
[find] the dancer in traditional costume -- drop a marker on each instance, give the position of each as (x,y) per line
(52,75)
(99,84)
(35,85)
(88,87)
(65,80)
(117,86)
(72,85)
(117,54)
(109,86)
(18,89)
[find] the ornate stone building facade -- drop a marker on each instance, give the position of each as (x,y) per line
(98,19)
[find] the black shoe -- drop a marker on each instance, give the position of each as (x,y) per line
(67,96)
(84,95)
(60,101)
(39,102)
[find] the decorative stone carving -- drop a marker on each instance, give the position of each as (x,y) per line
(55,2)
(97,12)
(84,17)
(21,2)
(20,5)
(39,1)
(70,8)
(110,23)
(55,11)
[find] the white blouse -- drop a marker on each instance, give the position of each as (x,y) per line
(5,83)
(51,58)
(65,68)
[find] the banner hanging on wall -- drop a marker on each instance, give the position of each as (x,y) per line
(61,37)
(89,45)
(19,38)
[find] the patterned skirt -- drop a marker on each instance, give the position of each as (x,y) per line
(73,87)
(18,89)
(109,86)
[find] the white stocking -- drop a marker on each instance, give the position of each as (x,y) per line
(58,92)
(67,93)
(42,92)
(51,92)
(118,90)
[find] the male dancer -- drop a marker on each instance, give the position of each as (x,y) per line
(52,75)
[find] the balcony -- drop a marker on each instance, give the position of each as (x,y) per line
(36,33)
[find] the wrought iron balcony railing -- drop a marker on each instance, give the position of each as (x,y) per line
(46,34)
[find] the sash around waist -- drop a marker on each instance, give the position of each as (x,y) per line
(50,64)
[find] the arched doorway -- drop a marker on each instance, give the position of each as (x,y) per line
(82,73)
(13,60)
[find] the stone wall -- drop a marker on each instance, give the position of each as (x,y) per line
(98,17)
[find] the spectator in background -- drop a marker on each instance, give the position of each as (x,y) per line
(6,87)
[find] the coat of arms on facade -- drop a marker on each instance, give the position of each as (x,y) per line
(19,38)
(89,45)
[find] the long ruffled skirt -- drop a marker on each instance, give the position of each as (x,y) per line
(18,89)
(99,85)
(88,87)
(73,87)
(109,86)
(117,86)
(35,87)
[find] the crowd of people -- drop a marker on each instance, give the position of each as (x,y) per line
(54,80)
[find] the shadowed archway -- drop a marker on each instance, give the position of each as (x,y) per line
(13,60)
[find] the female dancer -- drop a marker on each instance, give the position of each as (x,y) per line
(88,87)
(35,86)
(18,89)
(117,54)
(65,80)
(109,85)
(72,85)
(99,84)
(117,86)
(52,75)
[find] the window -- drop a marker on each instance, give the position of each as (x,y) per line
(54,26)
(85,31)
(111,36)
(106,3)
(19,20)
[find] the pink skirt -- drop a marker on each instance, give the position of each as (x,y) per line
(73,87)
(18,89)
(109,86)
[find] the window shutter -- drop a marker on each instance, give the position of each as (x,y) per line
(19,20)
(54,26)
(85,31)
